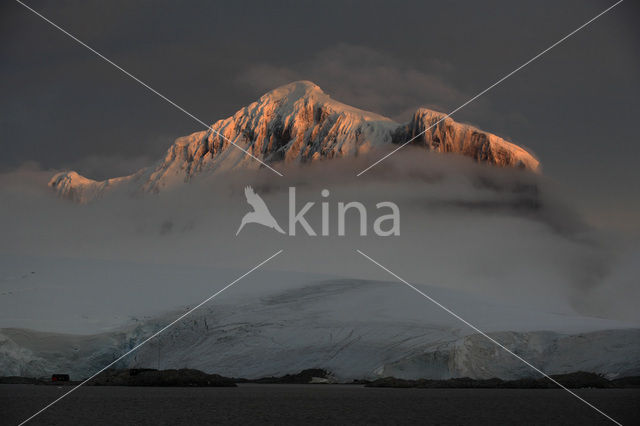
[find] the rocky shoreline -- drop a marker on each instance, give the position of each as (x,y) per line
(196,378)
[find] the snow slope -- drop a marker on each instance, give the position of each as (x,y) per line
(274,323)
(298,123)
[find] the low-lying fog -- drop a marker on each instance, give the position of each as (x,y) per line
(503,234)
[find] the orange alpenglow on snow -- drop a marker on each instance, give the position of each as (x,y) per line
(299,123)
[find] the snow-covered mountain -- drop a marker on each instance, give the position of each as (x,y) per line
(315,325)
(299,123)
(273,323)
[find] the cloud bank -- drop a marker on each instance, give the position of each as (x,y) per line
(496,232)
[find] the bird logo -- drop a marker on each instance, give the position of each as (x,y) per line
(260,213)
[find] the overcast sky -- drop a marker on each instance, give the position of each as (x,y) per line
(576,107)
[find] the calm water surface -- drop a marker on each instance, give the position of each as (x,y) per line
(314,404)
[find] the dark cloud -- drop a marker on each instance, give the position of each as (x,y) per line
(575,107)
(365,78)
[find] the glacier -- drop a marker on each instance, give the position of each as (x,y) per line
(279,323)
(85,283)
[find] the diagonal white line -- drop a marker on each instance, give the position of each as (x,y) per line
(449,311)
(151,89)
(154,335)
(491,87)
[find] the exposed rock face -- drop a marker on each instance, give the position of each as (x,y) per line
(298,122)
(447,136)
(294,123)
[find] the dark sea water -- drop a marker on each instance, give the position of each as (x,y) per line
(314,404)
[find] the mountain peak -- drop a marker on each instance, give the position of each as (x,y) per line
(294,92)
(296,89)
(298,122)
(304,94)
